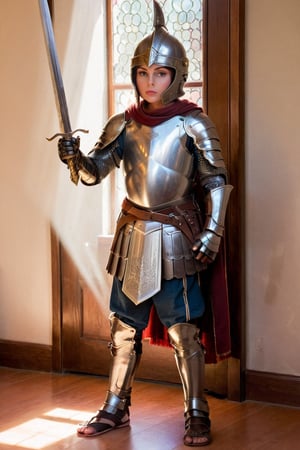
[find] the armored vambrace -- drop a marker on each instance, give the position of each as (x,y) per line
(216,205)
(90,173)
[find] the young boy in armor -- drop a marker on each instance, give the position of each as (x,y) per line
(169,149)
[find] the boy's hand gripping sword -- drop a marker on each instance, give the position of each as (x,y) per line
(62,108)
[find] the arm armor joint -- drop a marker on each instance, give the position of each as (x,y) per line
(203,132)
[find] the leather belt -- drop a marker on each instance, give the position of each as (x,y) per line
(176,215)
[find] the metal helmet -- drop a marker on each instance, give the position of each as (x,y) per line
(165,50)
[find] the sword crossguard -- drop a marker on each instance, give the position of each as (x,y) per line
(67,135)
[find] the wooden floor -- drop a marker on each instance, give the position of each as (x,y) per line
(41,410)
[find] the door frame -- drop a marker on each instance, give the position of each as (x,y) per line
(224,103)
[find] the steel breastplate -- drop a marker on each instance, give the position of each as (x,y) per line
(158,167)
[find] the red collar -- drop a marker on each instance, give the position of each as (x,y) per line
(179,107)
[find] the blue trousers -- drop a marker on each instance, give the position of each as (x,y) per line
(178,301)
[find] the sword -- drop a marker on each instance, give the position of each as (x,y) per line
(58,86)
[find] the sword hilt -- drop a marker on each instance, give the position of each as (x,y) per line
(73,171)
(71,163)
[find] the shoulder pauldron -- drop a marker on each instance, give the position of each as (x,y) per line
(204,134)
(111,131)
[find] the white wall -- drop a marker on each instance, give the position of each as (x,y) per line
(34,186)
(273,185)
(26,102)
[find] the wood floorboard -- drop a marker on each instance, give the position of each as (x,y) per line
(41,411)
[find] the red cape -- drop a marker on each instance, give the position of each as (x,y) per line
(214,325)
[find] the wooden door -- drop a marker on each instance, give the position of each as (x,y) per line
(80,329)
(86,332)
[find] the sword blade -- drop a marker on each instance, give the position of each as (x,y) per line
(58,85)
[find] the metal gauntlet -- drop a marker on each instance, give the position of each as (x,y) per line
(69,149)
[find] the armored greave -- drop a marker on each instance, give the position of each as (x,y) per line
(126,352)
(189,358)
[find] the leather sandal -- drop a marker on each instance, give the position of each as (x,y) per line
(197,425)
(104,427)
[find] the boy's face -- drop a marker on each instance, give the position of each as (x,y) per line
(151,82)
